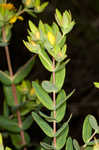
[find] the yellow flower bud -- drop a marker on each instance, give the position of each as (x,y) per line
(27,2)
(37,34)
(33,43)
(51,38)
(32,91)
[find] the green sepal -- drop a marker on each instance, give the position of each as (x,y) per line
(76,144)
(49,87)
(43,125)
(16,139)
(94,124)
(60,112)
(59,78)
(61,139)
(64,100)
(46,61)
(47,146)
(87,130)
(23,71)
(5,78)
(48,118)
(9,125)
(69,144)
(41,7)
(27,122)
(44,98)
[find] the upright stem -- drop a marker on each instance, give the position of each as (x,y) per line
(54,103)
(13,88)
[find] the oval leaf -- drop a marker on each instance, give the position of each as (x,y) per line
(69,144)
(76,144)
(87,129)
(61,139)
(43,125)
(23,71)
(5,79)
(43,96)
(46,61)
(60,112)
(9,125)
(59,78)
(49,87)
(93,123)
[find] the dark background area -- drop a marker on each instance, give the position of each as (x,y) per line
(83,50)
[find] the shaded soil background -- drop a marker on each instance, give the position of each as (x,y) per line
(83,50)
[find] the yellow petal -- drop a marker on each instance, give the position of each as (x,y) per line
(13,20)
(20,18)
(8,6)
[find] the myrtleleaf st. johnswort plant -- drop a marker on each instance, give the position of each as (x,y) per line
(49,43)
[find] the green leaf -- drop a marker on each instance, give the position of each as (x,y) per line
(58,17)
(43,125)
(23,71)
(61,129)
(69,144)
(47,146)
(43,96)
(27,122)
(59,78)
(41,8)
(61,139)
(46,61)
(32,27)
(5,79)
(8,148)
(61,66)
(49,87)
(87,129)
(64,100)
(93,122)
(16,140)
(48,118)
(9,125)
(6,110)
(76,144)
(96,84)
(32,48)
(1,139)
(9,95)
(60,112)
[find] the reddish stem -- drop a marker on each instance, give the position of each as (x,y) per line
(13,88)
(54,103)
